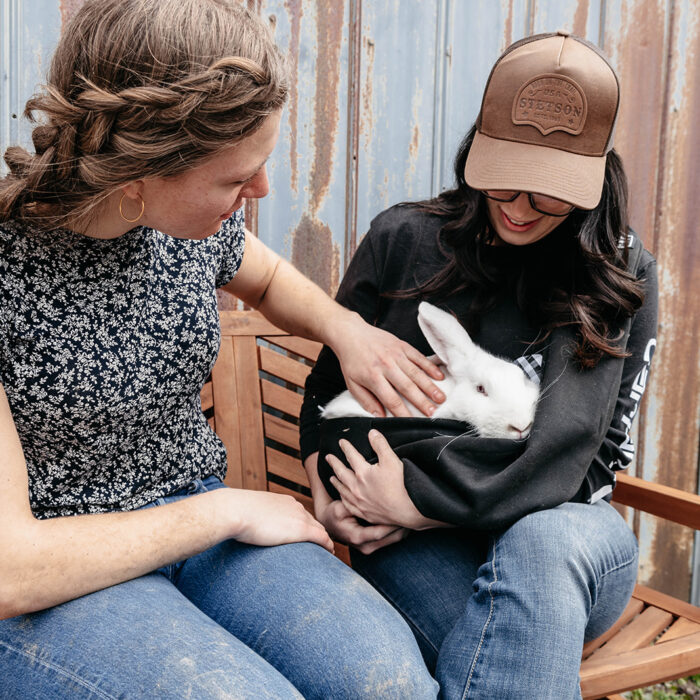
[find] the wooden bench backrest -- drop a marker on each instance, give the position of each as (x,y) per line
(253,402)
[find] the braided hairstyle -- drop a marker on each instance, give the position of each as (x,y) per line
(138,89)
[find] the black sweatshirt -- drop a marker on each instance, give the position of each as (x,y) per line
(484,483)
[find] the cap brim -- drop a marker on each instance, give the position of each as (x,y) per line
(495,164)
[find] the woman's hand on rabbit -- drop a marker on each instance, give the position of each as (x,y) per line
(380,369)
(376,492)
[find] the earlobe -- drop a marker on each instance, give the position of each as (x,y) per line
(133,190)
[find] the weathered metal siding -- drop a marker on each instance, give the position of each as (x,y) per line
(382,93)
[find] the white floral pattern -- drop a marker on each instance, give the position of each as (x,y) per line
(104,348)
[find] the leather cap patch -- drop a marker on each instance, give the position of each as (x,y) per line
(551,103)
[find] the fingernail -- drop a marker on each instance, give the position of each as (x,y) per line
(376,414)
(431,410)
(438,395)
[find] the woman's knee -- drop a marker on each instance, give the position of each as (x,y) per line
(376,654)
(312,617)
(593,539)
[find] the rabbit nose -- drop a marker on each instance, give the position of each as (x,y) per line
(522,432)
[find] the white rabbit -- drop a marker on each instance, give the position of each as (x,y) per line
(492,394)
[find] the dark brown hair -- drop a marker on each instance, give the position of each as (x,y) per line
(140,88)
(575,276)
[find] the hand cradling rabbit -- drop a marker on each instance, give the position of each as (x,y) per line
(492,394)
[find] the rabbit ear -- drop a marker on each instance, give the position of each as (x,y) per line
(445,335)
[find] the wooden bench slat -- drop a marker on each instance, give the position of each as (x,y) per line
(282,399)
(226,415)
(251,425)
(207,396)
(284,367)
(301,346)
(285,466)
(281,431)
(679,628)
(666,602)
(634,607)
(637,634)
(640,667)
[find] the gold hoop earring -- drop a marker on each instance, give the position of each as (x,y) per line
(121,213)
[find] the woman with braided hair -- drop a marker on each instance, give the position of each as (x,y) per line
(128,568)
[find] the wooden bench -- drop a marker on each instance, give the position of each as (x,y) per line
(253,402)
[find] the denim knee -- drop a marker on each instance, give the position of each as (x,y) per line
(567,554)
(380,657)
(574,534)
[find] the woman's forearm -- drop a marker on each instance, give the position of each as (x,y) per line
(51,561)
(300,307)
(47,562)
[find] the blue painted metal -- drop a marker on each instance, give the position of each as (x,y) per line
(29,31)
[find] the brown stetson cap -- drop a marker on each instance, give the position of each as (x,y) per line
(547,121)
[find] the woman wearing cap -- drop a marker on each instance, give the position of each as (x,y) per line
(128,568)
(503,574)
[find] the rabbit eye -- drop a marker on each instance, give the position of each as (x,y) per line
(481,389)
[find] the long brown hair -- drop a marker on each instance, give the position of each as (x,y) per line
(137,89)
(575,276)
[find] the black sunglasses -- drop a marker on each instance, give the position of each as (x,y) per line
(549,206)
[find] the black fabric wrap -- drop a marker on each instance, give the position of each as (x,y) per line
(478,482)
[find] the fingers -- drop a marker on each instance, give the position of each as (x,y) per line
(366,399)
(389,389)
(406,382)
(316,532)
(420,370)
(321,537)
(347,498)
(414,386)
(343,474)
(358,464)
(397,535)
(424,363)
(381,447)
(345,528)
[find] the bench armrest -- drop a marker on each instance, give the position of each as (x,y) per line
(663,501)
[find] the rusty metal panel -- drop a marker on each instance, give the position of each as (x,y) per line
(582,18)
(658,64)
(396,104)
(304,218)
(468,64)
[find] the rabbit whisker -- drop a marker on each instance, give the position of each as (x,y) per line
(544,391)
(467,433)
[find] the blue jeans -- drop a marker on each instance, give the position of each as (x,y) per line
(236,621)
(506,615)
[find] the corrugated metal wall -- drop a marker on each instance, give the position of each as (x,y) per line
(384,90)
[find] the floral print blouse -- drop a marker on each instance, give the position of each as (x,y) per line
(104,348)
